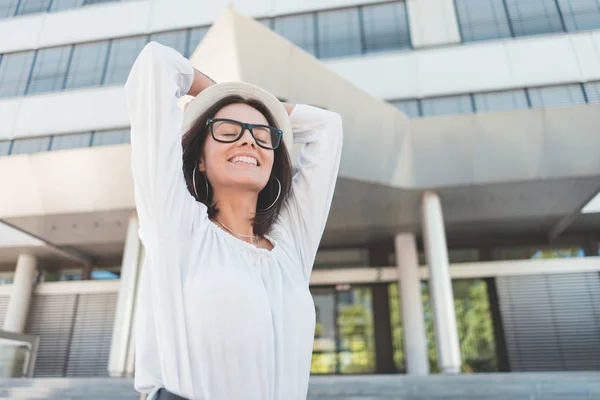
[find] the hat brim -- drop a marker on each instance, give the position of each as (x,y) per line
(212,94)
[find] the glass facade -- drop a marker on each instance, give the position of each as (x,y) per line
(505,100)
(497,19)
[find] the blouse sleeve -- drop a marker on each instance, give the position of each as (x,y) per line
(158,78)
(304,217)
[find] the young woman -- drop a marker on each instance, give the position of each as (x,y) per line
(224,309)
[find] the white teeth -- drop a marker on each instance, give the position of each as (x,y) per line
(245,160)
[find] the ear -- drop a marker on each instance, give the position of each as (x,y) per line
(201,165)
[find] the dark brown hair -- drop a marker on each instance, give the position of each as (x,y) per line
(193,145)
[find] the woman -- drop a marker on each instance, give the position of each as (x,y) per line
(224,308)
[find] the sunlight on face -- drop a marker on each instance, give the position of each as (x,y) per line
(242,164)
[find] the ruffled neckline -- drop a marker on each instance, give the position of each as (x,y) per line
(243,244)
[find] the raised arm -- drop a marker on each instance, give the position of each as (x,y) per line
(158,78)
(304,217)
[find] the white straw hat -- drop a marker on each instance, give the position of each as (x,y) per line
(209,96)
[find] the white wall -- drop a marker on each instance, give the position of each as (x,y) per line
(432,22)
(63,112)
(103,21)
(502,64)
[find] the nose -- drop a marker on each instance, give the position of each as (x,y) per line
(247,139)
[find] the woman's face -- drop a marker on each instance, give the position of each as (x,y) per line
(241,164)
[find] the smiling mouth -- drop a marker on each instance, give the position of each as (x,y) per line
(245,160)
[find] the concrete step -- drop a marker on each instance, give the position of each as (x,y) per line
(513,386)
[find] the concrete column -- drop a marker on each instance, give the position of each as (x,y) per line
(119,364)
(22,287)
(415,340)
(440,284)
(432,22)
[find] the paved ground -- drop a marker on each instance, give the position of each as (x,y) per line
(529,386)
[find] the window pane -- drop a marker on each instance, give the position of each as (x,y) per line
(74,141)
(4,147)
(33,6)
(563,95)
(176,40)
(105,138)
(298,29)
(339,33)
(8,8)
(580,14)
(49,70)
(534,17)
(30,145)
(268,22)
(482,19)
(196,36)
(386,27)
(501,101)
(89,2)
(592,89)
(14,72)
(447,105)
(123,53)
(60,5)
(87,65)
(408,107)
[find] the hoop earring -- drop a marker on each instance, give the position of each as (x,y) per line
(276,198)
(194,183)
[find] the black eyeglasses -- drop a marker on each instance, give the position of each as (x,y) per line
(229,130)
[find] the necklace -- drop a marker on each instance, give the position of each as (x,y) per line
(253,237)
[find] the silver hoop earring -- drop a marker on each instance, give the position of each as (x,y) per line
(277,198)
(194,183)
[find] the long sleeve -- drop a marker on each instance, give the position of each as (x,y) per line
(167,213)
(158,78)
(304,217)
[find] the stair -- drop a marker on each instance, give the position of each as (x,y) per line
(512,386)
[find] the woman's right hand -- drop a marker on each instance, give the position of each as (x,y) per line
(200,83)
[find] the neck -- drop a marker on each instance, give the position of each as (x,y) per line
(236,210)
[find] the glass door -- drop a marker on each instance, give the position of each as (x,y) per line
(344,332)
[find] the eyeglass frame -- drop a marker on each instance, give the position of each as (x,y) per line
(245,126)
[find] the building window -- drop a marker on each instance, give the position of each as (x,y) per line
(105,138)
(176,40)
(14,73)
(87,65)
(8,8)
(447,105)
(49,70)
(73,141)
(298,29)
(580,15)
(196,36)
(408,107)
(385,27)
(534,17)
(553,96)
(501,101)
(4,147)
(60,5)
(123,53)
(592,91)
(30,145)
(482,19)
(33,6)
(339,33)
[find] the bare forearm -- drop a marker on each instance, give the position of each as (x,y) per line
(200,83)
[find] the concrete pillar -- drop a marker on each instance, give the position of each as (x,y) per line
(22,287)
(432,22)
(440,284)
(121,350)
(415,339)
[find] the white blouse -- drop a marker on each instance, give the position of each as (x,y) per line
(218,318)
